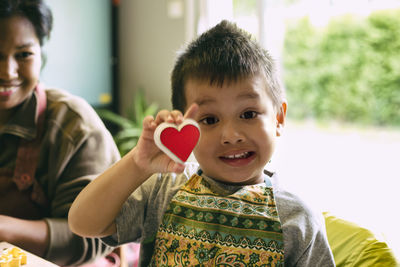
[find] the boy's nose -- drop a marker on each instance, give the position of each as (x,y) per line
(8,69)
(231,134)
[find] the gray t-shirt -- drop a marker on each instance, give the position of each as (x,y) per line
(305,241)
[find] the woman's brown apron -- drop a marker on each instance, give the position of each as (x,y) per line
(21,196)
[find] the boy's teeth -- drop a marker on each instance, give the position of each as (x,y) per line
(238,156)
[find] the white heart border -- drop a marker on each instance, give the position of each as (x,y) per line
(164,125)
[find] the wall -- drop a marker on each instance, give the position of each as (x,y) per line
(150,35)
(79,49)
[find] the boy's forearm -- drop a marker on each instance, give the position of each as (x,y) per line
(93,212)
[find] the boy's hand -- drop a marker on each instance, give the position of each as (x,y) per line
(147,156)
(93,212)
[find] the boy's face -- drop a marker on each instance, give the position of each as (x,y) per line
(238,125)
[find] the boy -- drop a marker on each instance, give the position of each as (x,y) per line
(226,210)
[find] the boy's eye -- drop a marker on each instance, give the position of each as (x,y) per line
(248,115)
(209,120)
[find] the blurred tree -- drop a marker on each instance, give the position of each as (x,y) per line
(348,71)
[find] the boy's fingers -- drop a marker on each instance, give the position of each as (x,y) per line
(163,115)
(177,116)
(191,111)
(148,122)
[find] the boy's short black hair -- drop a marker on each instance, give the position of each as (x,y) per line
(224,53)
(36,11)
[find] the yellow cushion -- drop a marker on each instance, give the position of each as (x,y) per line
(353,245)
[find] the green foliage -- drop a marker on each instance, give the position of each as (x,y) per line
(244,7)
(349,70)
(130,126)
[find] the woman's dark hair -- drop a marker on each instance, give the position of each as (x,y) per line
(36,11)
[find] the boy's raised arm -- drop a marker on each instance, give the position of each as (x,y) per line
(93,212)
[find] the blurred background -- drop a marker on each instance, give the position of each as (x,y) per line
(339,61)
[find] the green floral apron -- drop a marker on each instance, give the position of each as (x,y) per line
(203,228)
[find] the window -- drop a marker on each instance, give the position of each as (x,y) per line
(335,157)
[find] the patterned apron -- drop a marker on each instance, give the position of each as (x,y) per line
(21,196)
(203,228)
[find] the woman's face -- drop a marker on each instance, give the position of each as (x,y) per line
(20,61)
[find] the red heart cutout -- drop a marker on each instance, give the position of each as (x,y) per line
(177,141)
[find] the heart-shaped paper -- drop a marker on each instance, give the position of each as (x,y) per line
(177,141)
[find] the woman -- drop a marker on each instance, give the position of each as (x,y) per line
(52,144)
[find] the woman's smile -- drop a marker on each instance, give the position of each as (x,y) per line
(8,89)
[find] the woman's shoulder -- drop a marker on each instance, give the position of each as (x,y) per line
(71,113)
(61,99)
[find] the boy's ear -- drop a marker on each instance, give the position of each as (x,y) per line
(280,118)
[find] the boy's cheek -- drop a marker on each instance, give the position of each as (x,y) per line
(196,149)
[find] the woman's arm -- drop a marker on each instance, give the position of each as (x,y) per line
(75,149)
(32,236)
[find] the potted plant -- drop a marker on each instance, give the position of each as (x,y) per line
(129,126)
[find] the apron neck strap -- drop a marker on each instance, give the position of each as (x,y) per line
(28,151)
(40,108)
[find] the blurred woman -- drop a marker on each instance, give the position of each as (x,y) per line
(52,143)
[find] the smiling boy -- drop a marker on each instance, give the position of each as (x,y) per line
(238,128)
(228,209)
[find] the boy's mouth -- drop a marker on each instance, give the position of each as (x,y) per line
(241,159)
(242,155)
(238,159)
